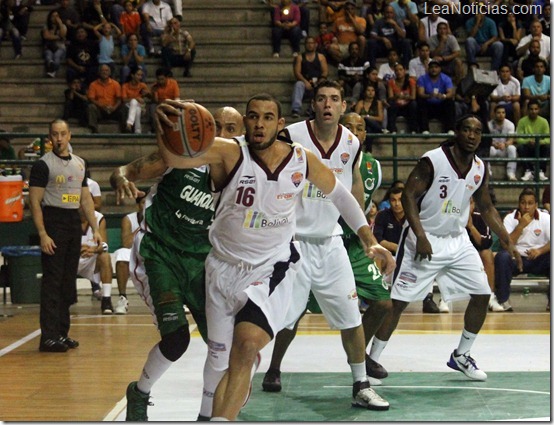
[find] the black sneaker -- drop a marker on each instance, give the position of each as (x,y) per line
(137,404)
(374,369)
(429,306)
(70,342)
(106,306)
(272,381)
(51,345)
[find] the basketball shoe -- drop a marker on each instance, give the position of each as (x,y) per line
(137,404)
(466,364)
(364,396)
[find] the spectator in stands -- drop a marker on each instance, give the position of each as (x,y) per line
(545,19)
(372,12)
(348,28)
(179,48)
(435,98)
(526,65)
(385,202)
(351,70)
(533,123)
(535,33)
(129,22)
(370,77)
(22,15)
(507,94)
(324,41)
(389,222)
(388,33)
(165,87)
(133,54)
(82,57)
(483,40)
(304,16)
(309,69)
(104,96)
(503,147)
(537,87)
(130,225)
(546,198)
(134,94)
(6,149)
(420,64)
(7,27)
(70,17)
(371,110)
(510,33)
(386,70)
(402,100)
(106,33)
(407,11)
(54,35)
(476,104)
(330,10)
(428,26)
(95,13)
(445,49)
(529,229)
(75,105)
(286,24)
(155,17)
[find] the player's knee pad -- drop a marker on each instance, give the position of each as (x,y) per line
(174,344)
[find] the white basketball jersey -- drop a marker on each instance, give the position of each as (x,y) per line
(316,214)
(87,238)
(444,208)
(255,214)
(133,218)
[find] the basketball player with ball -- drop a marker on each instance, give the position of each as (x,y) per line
(257,181)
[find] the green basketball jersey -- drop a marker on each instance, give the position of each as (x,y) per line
(179,210)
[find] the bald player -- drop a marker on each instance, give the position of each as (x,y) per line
(228,122)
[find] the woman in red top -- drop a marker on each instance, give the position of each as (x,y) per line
(129,21)
(401,92)
(286,23)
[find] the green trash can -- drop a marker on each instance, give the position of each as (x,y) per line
(24,273)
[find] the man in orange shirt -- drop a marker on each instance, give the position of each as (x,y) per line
(165,87)
(104,96)
(349,28)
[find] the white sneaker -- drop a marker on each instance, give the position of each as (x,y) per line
(494,305)
(542,176)
(425,132)
(466,364)
(507,306)
(122,305)
(275,55)
(512,177)
(527,176)
(450,132)
(443,306)
(364,396)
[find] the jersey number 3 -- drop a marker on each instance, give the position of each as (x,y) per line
(245,196)
(444,191)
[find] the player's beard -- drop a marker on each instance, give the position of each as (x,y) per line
(261,146)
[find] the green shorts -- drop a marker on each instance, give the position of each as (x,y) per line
(369,280)
(175,279)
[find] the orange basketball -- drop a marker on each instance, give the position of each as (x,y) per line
(192,132)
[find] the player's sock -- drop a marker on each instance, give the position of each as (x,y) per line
(153,369)
(377,347)
(466,342)
(358,371)
(106,289)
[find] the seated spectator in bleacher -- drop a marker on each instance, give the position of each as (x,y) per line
(75,105)
(134,94)
(130,225)
(286,24)
(407,11)
(82,57)
(526,65)
(324,41)
(535,33)
(54,35)
(420,64)
(510,33)
(537,87)
(351,71)
(6,149)
(330,10)
(435,99)
(402,100)
(386,70)
(371,110)
(474,104)
(165,87)
(388,33)
(96,12)
(348,28)
(372,12)
(533,123)
(178,47)
(304,16)
(155,17)
(69,16)
(106,33)
(503,147)
(309,69)
(7,26)
(529,229)
(133,54)
(545,19)
(129,21)
(507,94)
(104,96)
(428,26)
(385,202)
(445,49)
(370,78)
(483,40)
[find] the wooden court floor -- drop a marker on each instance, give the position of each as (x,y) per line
(86,383)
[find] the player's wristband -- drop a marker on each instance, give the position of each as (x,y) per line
(105,247)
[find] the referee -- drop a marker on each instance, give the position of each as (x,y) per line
(57,188)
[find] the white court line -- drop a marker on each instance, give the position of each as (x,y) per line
(22,341)
(448,387)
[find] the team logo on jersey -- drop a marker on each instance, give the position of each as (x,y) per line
(257,283)
(477,178)
(477,162)
(297,178)
(336,170)
(349,140)
(258,220)
(353,295)
(170,317)
(408,277)
(369,183)
(537,232)
(285,196)
(448,207)
(369,166)
(299,155)
(444,179)
(344,157)
(312,192)
(247,180)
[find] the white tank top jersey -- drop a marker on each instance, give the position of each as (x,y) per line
(87,238)
(255,214)
(444,208)
(316,214)
(133,218)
